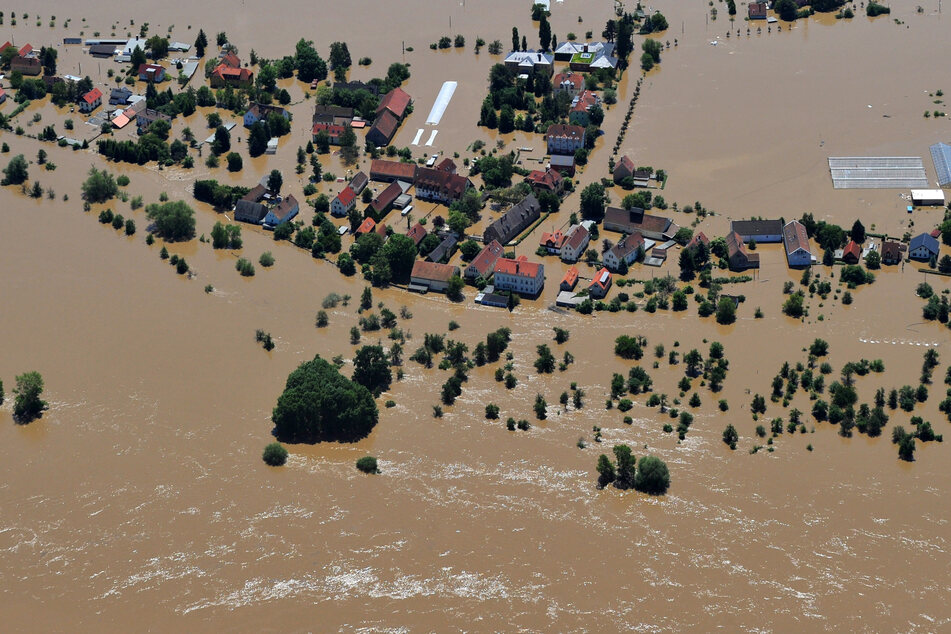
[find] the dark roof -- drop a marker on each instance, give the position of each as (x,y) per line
(795,237)
(515,220)
(757,227)
(358,182)
(891,251)
(386,197)
(384,127)
(102,50)
(924,240)
(631,220)
(443,250)
(394,101)
(381,169)
(355,86)
(328,114)
(447,184)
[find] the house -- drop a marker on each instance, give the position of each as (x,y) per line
(383,129)
(580,111)
(384,200)
(698,239)
(258,111)
(389,171)
(26,64)
(90,101)
(571,83)
(740,259)
(334,115)
(119,96)
(568,49)
(758,230)
(757,10)
(530,63)
(102,50)
(282,212)
(852,253)
(891,252)
(518,276)
(552,242)
(396,102)
(623,169)
(565,165)
(146,117)
(249,208)
(570,279)
(358,182)
(483,264)
(927,197)
(550,181)
(367,226)
(600,285)
(432,276)
(923,247)
(513,222)
(382,230)
(343,202)
(444,250)
(151,72)
(625,251)
(636,221)
(444,187)
(564,139)
(334,132)
(416,233)
(796,241)
(590,59)
(229,59)
(225,75)
(574,247)
(447,165)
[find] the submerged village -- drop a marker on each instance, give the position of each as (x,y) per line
(565,223)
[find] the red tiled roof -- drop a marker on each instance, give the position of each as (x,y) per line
(585,100)
(26,50)
(575,78)
(6,45)
(386,197)
(571,277)
(366,226)
(566,131)
(433,271)
(223,71)
(697,239)
(230,59)
(447,165)
(143,68)
(381,168)
(346,196)
(555,240)
(386,124)
(520,267)
(333,131)
(549,179)
(597,279)
(852,248)
(381,229)
(395,101)
(416,233)
(92,95)
(936,233)
(485,261)
(447,183)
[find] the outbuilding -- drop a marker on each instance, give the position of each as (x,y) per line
(927,197)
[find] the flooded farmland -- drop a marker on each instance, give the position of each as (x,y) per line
(139,500)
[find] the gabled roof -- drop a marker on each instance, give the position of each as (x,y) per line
(698,238)
(561,130)
(736,246)
(484,263)
(550,178)
(757,227)
(519,267)
(575,79)
(553,240)
(416,233)
(333,131)
(92,95)
(359,181)
(627,245)
(584,101)
(366,226)
(26,50)
(386,170)
(924,240)
(285,207)
(386,124)
(635,219)
(395,101)
(449,184)
(346,196)
(795,237)
(853,249)
(891,251)
(571,277)
(577,236)
(433,271)
(602,279)
(386,197)
(230,59)
(144,68)
(447,165)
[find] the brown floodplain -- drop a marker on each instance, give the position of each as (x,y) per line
(139,500)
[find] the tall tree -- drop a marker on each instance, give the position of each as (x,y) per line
(544,33)
(514,38)
(201,43)
(274,181)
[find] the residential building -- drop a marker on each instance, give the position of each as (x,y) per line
(151,72)
(249,208)
(396,102)
(852,253)
(568,49)
(571,83)
(758,230)
(589,59)
(145,118)
(119,96)
(574,247)
(483,264)
(636,221)
(513,222)
(384,200)
(343,202)
(445,248)
(570,279)
(740,259)
(580,111)
(225,75)
(530,63)
(389,171)
(367,226)
(564,139)
(624,168)
(565,165)
(447,165)
(258,111)
(383,129)
(923,247)
(282,212)
(416,233)
(27,61)
(600,285)
(333,115)
(90,101)
(519,276)
(334,132)
(103,50)
(625,252)
(552,242)
(358,183)
(444,187)
(891,252)
(796,241)
(550,181)
(432,276)
(698,239)
(757,10)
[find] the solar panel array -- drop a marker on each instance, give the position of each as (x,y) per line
(877,172)
(941,155)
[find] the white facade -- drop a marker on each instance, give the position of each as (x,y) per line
(520,283)
(338,209)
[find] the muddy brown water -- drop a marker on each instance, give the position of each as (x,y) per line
(139,500)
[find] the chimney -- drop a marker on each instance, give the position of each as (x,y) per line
(586,47)
(539,57)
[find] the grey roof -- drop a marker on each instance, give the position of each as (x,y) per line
(445,248)
(941,155)
(515,220)
(877,172)
(757,227)
(925,240)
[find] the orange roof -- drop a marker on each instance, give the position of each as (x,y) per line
(571,277)
(555,240)
(520,267)
(120,121)
(92,95)
(26,50)
(366,227)
(602,279)
(852,248)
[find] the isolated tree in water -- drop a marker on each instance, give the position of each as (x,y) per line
(27,403)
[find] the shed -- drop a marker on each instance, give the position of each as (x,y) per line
(927,197)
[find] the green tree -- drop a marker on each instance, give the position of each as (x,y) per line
(258,138)
(274,181)
(222,142)
(173,220)
(730,437)
(275,455)
(652,476)
(858,232)
(16,171)
(99,186)
(368,464)
(606,471)
(318,404)
(593,199)
(626,466)
(201,43)
(371,369)
(454,292)
(726,311)
(234,162)
(27,404)
(545,363)
(544,33)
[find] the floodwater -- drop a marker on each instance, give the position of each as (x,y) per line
(139,500)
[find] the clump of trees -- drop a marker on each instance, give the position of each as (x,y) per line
(173,220)
(100,186)
(650,475)
(320,404)
(27,404)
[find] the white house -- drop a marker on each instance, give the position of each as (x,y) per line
(574,247)
(923,246)
(625,251)
(283,212)
(343,202)
(519,276)
(796,241)
(564,139)
(91,100)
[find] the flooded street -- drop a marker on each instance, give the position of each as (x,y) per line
(139,501)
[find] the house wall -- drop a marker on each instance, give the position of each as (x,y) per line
(520,284)
(761,239)
(338,209)
(799,258)
(433,285)
(921,253)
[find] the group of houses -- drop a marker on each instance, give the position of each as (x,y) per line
(394,106)
(260,207)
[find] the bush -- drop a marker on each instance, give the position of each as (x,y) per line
(652,476)
(367,464)
(275,455)
(244,267)
(266,260)
(492,411)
